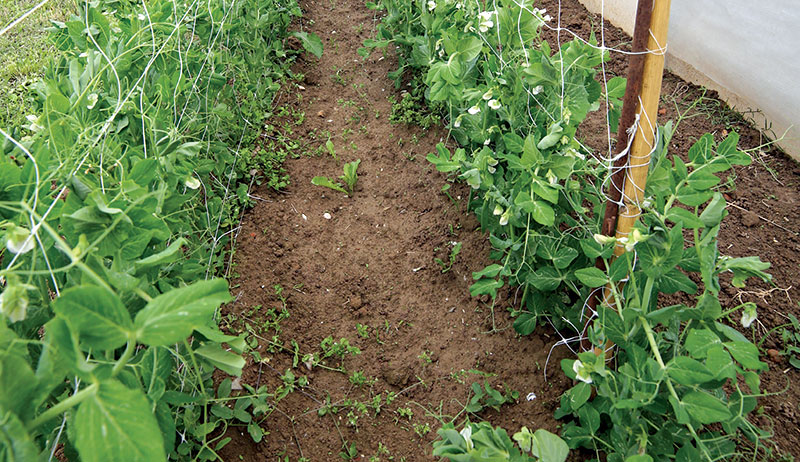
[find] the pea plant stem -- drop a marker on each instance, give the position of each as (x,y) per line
(63,406)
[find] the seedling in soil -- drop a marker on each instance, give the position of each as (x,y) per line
(404,412)
(348,452)
(359,378)
(447,266)
(425,356)
(791,341)
(331,149)
(489,398)
(350,177)
(422,429)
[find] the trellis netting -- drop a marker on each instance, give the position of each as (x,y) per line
(747,52)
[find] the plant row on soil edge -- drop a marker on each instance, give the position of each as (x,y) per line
(681,382)
(120,202)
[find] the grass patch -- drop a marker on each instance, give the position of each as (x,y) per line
(25,49)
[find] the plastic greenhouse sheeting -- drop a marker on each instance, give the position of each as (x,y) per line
(748,51)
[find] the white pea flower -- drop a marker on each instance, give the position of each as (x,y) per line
(192,183)
(141,17)
(467,434)
(431,5)
(486,22)
(636,237)
(494,104)
(83,55)
(551,177)
(459,5)
(441,53)
(573,153)
(582,372)
(14,300)
(487,141)
(602,239)
(34,123)
(19,240)
(92,101)
(749,315)
(536,90)
(491,169)
(488,95)
(504,217)
(457,122)
(497,210)
(474,110)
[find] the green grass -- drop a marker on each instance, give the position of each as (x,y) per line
(25,49)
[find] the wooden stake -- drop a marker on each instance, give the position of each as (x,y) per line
(630,104)
(644,138)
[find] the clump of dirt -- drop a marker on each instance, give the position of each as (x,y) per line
(363,267)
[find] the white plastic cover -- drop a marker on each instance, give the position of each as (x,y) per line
(750,50)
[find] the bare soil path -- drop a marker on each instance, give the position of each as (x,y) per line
(372,263)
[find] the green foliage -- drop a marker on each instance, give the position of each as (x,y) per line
(515,115)
(488,397)
(350,177)
(679,368)
(412,111)
(118,199)
(481,442)
(311,42)
(790,336)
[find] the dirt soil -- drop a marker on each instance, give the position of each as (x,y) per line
(369,260)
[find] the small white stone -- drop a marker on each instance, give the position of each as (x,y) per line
(326,216)
(304,216)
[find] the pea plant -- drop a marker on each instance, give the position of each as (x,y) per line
(118,205)
(480,441)
(679,367)
(514,109)
(684,382)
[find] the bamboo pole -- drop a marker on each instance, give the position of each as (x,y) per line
(630,104)
(644,137)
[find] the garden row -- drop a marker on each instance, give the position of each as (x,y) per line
(684,380)
(120,200)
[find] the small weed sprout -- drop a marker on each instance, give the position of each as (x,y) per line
(447,266)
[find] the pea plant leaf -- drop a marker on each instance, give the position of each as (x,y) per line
(18,444)
(115,423)
(705,408)
(171,317)
(96,314)
(549,447)
(592,277)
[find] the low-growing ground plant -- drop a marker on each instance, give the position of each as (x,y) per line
(349,177)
